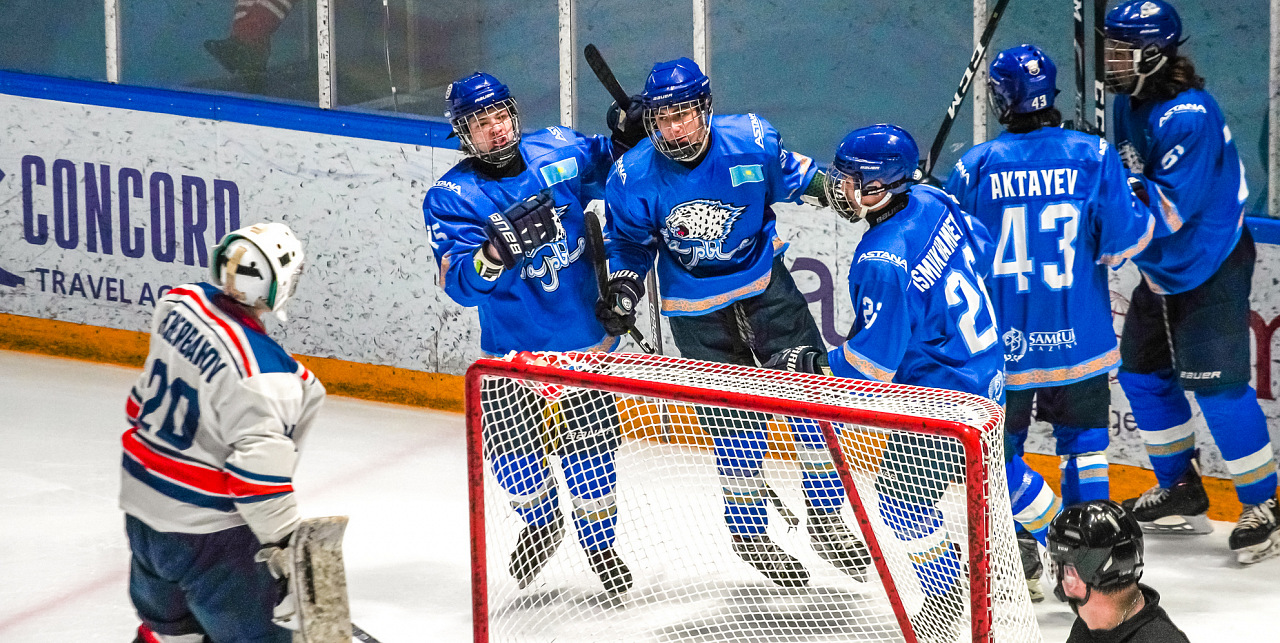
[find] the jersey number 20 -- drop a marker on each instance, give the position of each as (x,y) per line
(1013,237)
(182,436)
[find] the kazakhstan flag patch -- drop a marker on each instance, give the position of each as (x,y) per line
(740,174)
(560,171)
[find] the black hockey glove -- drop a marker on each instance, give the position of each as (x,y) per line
(800,359)
(616,308)
(523,228)
(627,125)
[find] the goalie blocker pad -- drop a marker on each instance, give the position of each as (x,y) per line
(318,579)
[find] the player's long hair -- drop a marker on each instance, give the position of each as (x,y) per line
(1177,77)
(1031,121)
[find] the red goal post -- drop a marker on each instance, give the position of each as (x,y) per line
(974,423)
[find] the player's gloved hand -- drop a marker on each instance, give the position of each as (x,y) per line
(816,193)
(800,359)
(616,308)
(1140,190)
(523,228)
(277,557)
(627,124)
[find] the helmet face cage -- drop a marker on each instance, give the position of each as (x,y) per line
(838,188)
(490,120)
(688,121)
(1128,65)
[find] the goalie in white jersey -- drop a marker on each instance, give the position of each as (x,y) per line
(217,419)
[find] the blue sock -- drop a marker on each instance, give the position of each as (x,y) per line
(591,479)
(1084,463)
(1033,503)
(1161,409)
(823,490)
(934,558)
(738,457)
(525,477)
(1240,429)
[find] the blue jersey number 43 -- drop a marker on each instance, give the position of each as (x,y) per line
(1013,254)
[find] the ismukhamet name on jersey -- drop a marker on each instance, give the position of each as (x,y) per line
(192,344)
(934,262)
(1008,184)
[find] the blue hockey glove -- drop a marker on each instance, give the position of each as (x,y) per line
(626,124)
(616,308)
(800,359)
(523,228)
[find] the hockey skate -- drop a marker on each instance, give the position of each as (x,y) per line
(837,545)
(1032,568)
(1177,510)
(536,545)
(767,557)
(613,573)
(1256,536)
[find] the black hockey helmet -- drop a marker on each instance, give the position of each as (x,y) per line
(1101,540)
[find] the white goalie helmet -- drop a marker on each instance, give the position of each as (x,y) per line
(259,266)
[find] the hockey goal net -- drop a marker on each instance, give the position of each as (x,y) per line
(627,497)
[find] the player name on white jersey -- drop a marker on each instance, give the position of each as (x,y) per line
(191,344)
(1025,183)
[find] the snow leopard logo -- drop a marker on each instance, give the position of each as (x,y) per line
(697,230)
(545,262)
(1015,345)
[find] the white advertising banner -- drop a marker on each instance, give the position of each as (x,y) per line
(104,208)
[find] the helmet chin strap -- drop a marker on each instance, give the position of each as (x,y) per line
(864,210)
(1137,65)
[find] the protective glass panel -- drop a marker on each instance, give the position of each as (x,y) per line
(264,48)
(53,37)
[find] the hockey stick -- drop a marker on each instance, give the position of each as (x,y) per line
(1099,68)
(361,635)
(1077,13)
(595,246)
(953,110)
(605,75)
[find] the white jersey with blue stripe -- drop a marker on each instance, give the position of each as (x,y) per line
(217,420)
(921,311)
(1058,204)
(547,302)
(710,227)
(1183,149)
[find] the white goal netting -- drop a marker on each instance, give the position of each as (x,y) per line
(626,497)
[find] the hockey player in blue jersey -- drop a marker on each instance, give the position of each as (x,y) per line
(217,420)
(696,197)
(508,234)
(1062,207)
(923,318)
(1187,328)
(1064,211)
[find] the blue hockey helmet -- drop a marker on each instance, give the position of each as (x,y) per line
(484,117)
(1141,37)
(1101,540)
(677,109)
(1022,80)
(880,159)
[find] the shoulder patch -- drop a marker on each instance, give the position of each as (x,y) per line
(448,185)
(757,129)
(883,256)
(740,174)
(560,171)
(622,170)
(1183,108)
